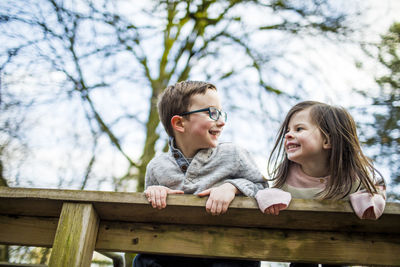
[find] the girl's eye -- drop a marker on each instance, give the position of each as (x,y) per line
(299,129)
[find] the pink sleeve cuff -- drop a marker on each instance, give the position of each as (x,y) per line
(361,201)
(272,196)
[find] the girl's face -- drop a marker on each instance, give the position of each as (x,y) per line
(304,142)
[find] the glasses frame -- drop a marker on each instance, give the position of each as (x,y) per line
(219,113)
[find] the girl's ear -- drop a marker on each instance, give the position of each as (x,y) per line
(178,123)
(327,143)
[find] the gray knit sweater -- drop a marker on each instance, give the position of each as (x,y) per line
(209,168)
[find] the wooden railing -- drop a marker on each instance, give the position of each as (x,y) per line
(75,223)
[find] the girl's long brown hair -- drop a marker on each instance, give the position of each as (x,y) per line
(347,164)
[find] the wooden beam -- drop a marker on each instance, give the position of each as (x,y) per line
(302,214)
(218,241)
(27,231)
(308,231)
(75,237)
(251,243)
(7,264)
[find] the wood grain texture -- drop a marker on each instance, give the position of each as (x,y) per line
(75,237)
(308,231)
(251,243)
(27,231)
(188,209)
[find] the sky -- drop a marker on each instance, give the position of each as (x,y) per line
(338,77)
(338,72)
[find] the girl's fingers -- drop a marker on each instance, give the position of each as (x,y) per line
(276,208)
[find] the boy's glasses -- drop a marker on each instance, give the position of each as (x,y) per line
(213,112)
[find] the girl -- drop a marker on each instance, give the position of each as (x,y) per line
(317,155)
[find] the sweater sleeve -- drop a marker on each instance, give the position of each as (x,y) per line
(272,196)
(248,179)
(362,200)
(150,178)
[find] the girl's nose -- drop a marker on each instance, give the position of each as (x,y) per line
(288,135)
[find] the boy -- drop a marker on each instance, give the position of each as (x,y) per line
(196,164)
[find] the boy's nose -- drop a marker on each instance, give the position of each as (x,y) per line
(220,122)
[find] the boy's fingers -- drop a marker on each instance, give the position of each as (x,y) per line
(157,195)
(159,198)
(153,199)
(163,199)
(175,192)
(222,206)
(225,208)
(209,204)
(214,208)
(204,193)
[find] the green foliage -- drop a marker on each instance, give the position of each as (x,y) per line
(387,118)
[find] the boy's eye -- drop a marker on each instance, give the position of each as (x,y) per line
(299,129)
(214,113)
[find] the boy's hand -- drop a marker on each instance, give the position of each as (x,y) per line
(157,195)
(219,198)
(274,209)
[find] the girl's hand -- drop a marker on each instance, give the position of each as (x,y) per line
(274,209)
(157,195)
(219,198)
(273,200)
(369,214)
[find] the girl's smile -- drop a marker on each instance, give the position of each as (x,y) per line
(305,144)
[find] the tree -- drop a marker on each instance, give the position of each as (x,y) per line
(84,70)
(89,50)
(386,134)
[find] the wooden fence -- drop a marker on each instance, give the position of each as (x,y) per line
(75,223)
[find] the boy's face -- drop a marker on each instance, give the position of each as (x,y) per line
(200,130)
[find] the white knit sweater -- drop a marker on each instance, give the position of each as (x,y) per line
(209,168)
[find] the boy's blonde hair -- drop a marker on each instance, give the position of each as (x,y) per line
(175,100)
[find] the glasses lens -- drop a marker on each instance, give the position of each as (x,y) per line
(214,113)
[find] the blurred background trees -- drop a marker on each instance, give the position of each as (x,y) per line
(79,80)
(384,133)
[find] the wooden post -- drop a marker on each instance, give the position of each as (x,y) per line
(75,237)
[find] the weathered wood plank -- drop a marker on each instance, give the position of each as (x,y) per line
(310,231)
(7,264)
(27,231)
(188,209)
(217,241)
(75,237)
(251,243)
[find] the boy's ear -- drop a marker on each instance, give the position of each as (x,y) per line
(327,143)
(178,123)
